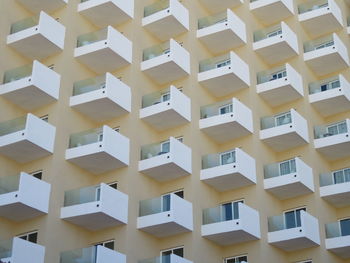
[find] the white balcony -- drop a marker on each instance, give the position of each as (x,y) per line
(35,6)
(166,19)
(276,44)
(225,229)
(101,98)
(98,150)
(288,179)
(291,236)
(280,85)
(326,55)
(31,86)
(103,51)
(284,131)
(18,250)
(165,216)
(226,120)
(93,254)
(335,187)
(222,32)
(329,92)
(228,170)
(103,13)
(338,238)
(166,160)
(166,109)
(96,207)
(26,139)
(333,140)
(37,37)
(320,17)
(172,258)
(166,62)
(23,197)
(271,11)
(224,74)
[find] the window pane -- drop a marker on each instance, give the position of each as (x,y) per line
(342,127)
(166,203)
(290,219)
(345,227)
(235,210)
(33,237)
(347,175)
(179,252)
(338,177)
(109,245)
(165,147)
(227,211)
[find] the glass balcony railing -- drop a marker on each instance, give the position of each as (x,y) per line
(322,131)
(226,212)
(82,195)
(279,169)
(84,255)
(82,1)
(319,43)
(338,229)
(218,159)
(156,7)
(276,223)
(92,37)
(215,109)
(155,149)
(216,62)
(277,120)
(5,249)
(267,32)
(156,51)
(86,137)
(9,184)
(336,177)
(12,126)
(162,259)
(348,21)
(17,73)
(270,75)
(312,5)
(324,85)
(88,85)
(24,24)
(156,98)
(212,20)
(154,205)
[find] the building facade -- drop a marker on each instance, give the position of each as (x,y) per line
(174,131)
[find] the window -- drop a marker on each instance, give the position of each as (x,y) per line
(226,109)
(165,254)
(341,176)
(30,236)
(323,45)
(98,190)
(117,129)
(274,33)
(165,97)
(45,118)
(52,66)
(344,227)
(108,244)
(229,211)
(279,74)
(287,167)
(227,157)
(337,128)
(292,218)
(283,118)
(166,199)
(238,259)
(37,174)
(223,63)
(166,51)
(330,85)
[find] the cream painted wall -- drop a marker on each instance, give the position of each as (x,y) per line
(57,235)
